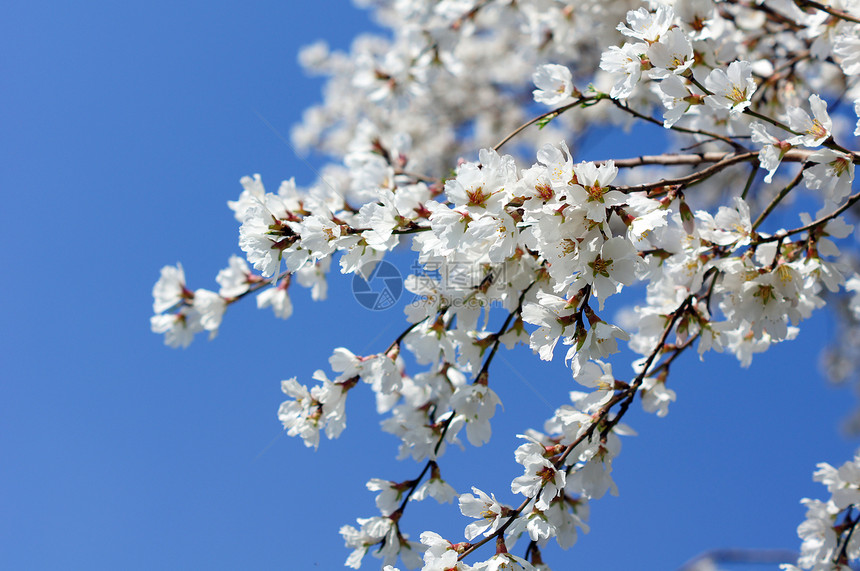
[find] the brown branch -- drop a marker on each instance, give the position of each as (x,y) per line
(624,107)
(497,337)
(832,11)
(720,160)
(456,24)
(841,557)
(631,391)
(697,176)
(257,283)
(429,464)
(830,143)
(549,114)
(792,156)
(399,340)
(782,235)
(625,395)
(776,199)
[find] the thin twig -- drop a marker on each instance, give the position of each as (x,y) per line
(627,109)
(776,199)
(750,180)
(792,156)
(782,235)
(539,118)
(832,11)
(697,176)
(625,395)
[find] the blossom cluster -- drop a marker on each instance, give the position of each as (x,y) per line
(829,541)
(555,239)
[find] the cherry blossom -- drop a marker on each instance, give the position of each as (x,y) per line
(731,89)
(169,290)
(673,54)
(813,130)
(438,151)
(489,512)
(554,85)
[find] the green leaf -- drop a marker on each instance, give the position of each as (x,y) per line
(544,121)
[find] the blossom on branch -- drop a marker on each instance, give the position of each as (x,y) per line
(683,246)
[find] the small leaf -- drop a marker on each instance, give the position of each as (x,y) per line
(544,121)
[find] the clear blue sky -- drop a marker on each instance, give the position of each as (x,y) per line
(126,129)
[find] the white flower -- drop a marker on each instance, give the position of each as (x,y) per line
(649,215)
(476,403)
(729,226)
(675,95)
(333,398)
(772,151)
(539,474)
(655,396)
(301,415)
(390,494)
(169,290)
(313,276)
(697,17)
(558,171)
(253,191)
(441,554)
(436,488)
(813,131)
(626,63)
(554,85)
(819,538)
(833,173)
(553,316)
(853,285)
(235,279)
(857,112)
(488,511)
(482,188)
(607,265)
(596,375)
(319,235)
(374,530)
(381,218)
(600,342)
(566,514)
(447,225)
(309,411)
(343,361)
(731,89)
(495,235)
(593,479)
(847,47)
(647,26)
(264,237)
(360,256)
(278,299)
(673,54)
(211,307)
(383,373)
(504,562)
(843,483)
(591,190)
(178,328)
(538,526)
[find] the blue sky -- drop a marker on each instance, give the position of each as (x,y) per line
(127,129)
